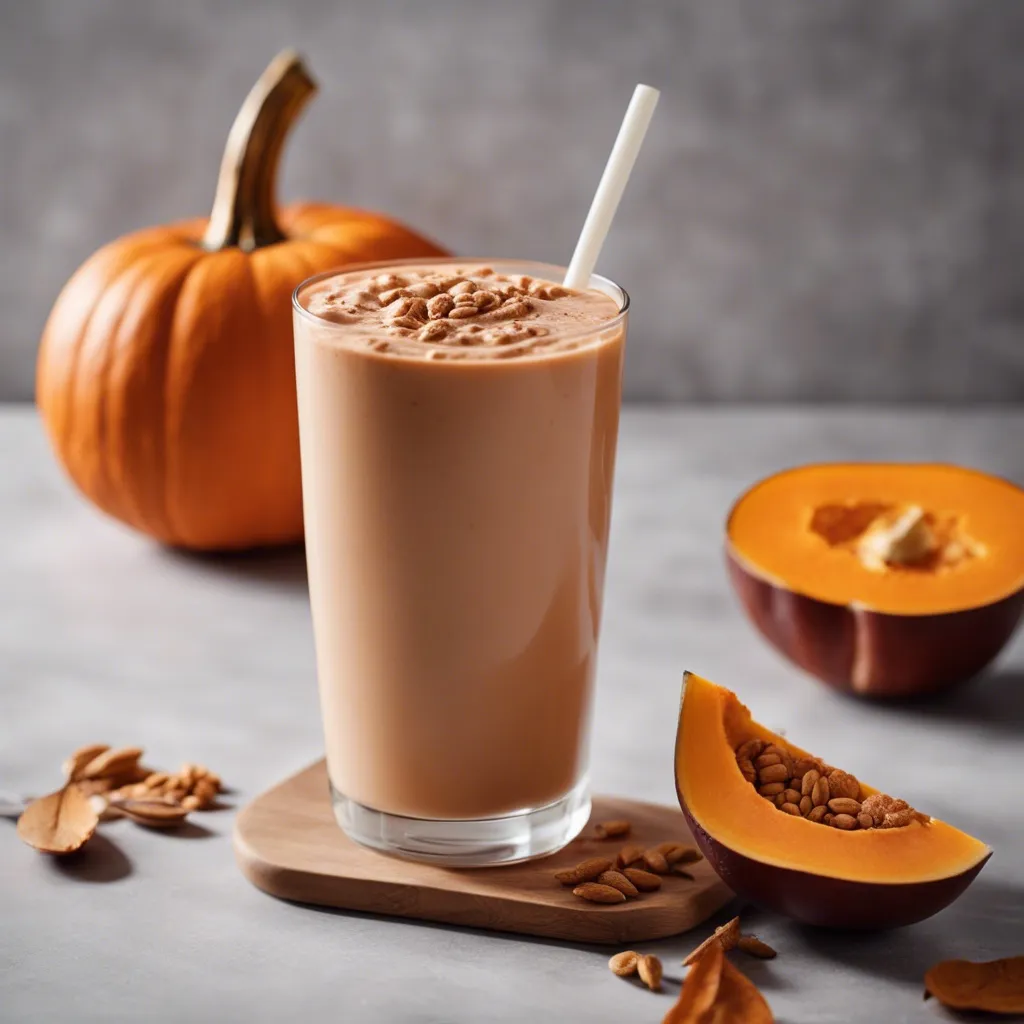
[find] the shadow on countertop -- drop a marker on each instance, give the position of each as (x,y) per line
(992,701)
(100,860)
(989,909)
(279,568)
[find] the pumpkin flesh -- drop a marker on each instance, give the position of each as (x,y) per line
(789,862)
(777,531)
(803,558)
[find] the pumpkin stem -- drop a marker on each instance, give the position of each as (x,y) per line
(243,207)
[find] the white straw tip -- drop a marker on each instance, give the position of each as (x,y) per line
(612,185)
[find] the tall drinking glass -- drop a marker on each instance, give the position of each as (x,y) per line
(457,507)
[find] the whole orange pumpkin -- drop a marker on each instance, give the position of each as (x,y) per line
(166,378)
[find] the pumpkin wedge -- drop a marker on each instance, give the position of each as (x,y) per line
(818,873)
(883,580)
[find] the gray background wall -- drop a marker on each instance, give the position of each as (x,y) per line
(830,204)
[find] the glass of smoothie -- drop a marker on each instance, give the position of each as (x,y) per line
(458,423)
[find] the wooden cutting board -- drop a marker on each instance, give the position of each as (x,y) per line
(288,844)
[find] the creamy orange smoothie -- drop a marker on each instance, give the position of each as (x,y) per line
(458,427)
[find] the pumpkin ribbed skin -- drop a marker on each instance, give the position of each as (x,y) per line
(166,378)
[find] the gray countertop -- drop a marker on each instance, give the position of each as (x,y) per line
(106,637)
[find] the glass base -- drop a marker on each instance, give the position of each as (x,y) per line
(480,843)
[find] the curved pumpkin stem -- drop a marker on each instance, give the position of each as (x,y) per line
(243,208)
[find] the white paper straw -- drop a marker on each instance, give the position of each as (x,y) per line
(612,185)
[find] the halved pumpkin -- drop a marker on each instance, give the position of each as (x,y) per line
(821,875)
(885,580)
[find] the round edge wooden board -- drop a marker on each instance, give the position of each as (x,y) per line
(287,844)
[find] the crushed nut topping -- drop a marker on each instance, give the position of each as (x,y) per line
(453,306)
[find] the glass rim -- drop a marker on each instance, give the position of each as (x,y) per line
(619,293)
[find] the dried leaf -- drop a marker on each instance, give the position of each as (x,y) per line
(700,989)
(752,945)
(74,765)
(111,763)
(738,1000)
(60,822)
(996,986)
(151,813)
(727,936)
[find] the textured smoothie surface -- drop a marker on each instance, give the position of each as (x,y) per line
(452,311)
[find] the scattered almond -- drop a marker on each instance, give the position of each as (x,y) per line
(585,871)
(594,892)
(656,862)
(151,813)
(624,964)
(629,855)
(645,881)
(612,829)
(617,880)
(649,969)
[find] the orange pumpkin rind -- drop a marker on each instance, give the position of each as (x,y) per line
(801,559)
(166,378)
(817,875)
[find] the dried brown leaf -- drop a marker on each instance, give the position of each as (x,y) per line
(699,991)
(727,936)
(996,986)
(73,766)
(753,946)
(112,763)
(738,1000)
(60,822)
